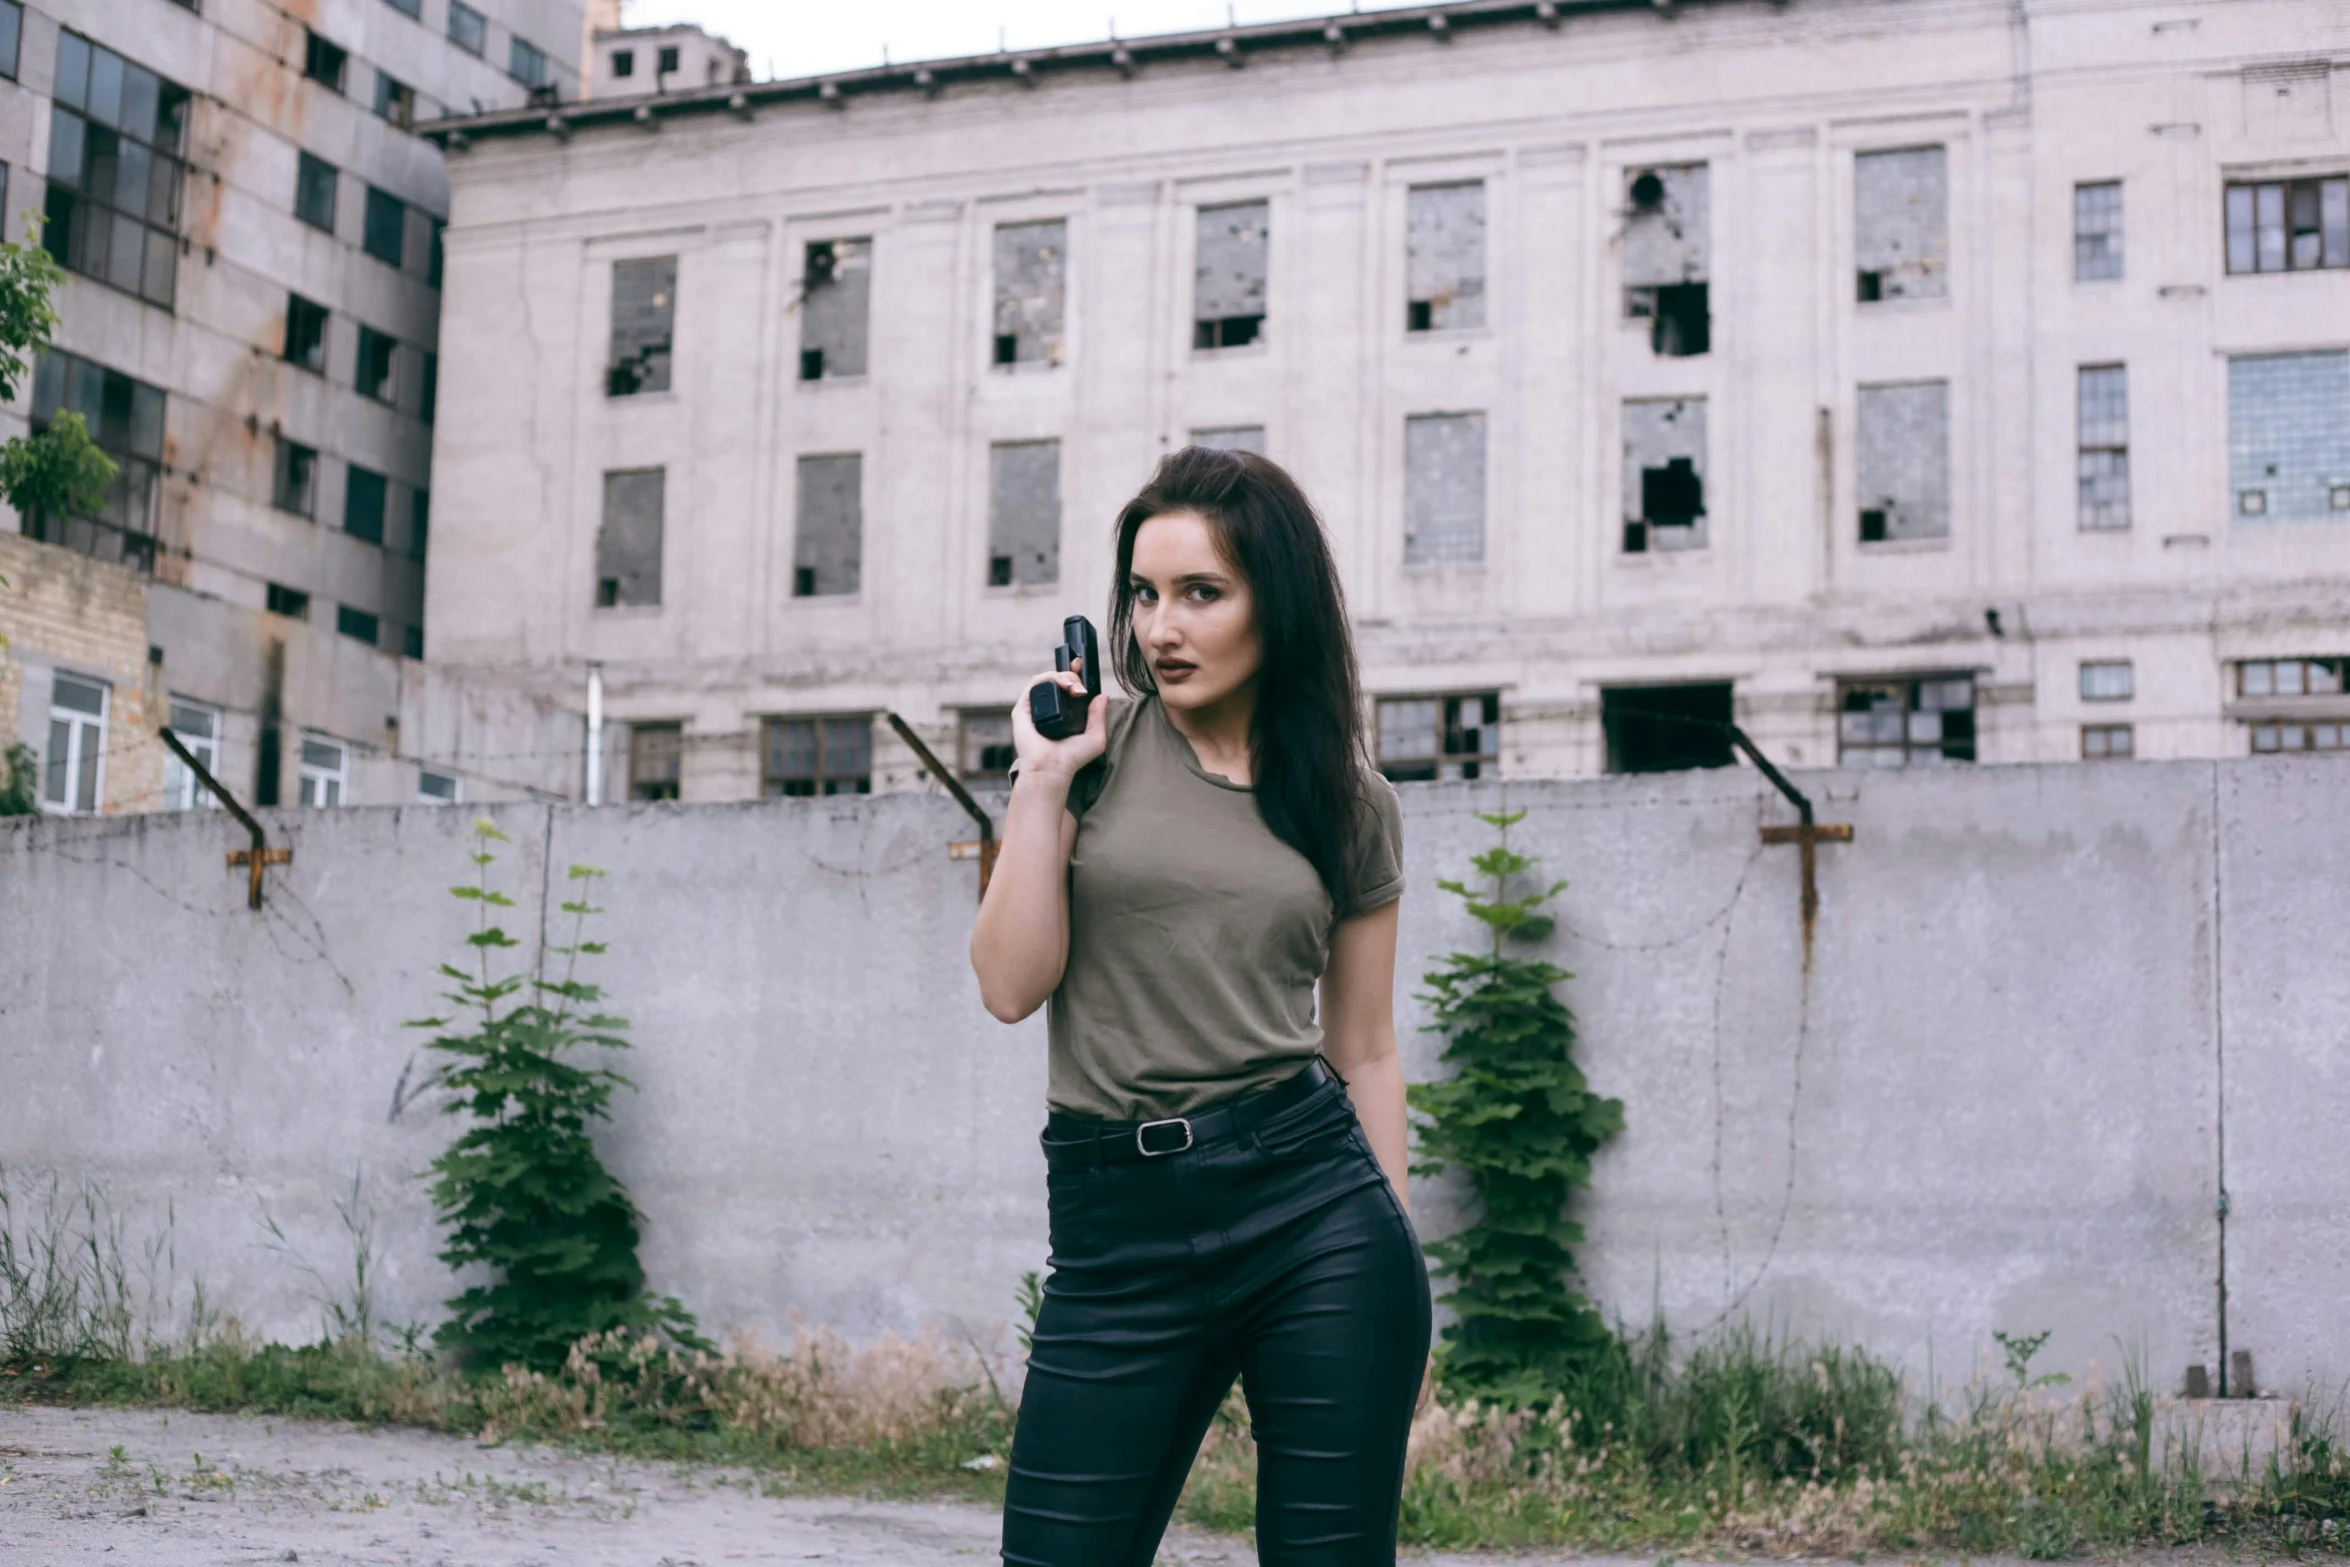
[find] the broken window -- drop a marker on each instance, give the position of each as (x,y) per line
(395,101)
(656,753)
(1444,257)
(1024,514)
(984,752)
(2108,680)
(808,756)
(1664,474)
(2102,406)
(1444,489)
(628,545)
(292,603)
(1666,244)
(2108,743)
(1664,729)
(1904,462)
(2261,678)
(644,306)
(2097,231)
(364,496)
(1031,291)
(836,291)
(2288,225)
(1232,438)
(1230,264)
(305,333)
(125,418)
(1901,224)
(374,377)
(1440,737)
(1906,723)
(295,485)
(2289,436)
(829,526)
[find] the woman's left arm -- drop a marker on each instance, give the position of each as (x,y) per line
(1358,1032)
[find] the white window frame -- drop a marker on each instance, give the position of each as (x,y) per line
(181,792)
(321,786)
(85,743)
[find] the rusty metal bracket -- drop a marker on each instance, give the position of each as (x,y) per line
(252,860)
(985,846)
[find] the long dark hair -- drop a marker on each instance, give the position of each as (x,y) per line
(1307,757)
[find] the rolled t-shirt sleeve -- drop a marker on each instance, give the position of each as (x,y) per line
(1377,861)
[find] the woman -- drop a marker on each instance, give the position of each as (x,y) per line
(1175,880)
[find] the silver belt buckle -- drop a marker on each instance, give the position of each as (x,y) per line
(1142,1131)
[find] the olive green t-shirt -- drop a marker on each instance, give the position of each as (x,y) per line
(1196,937)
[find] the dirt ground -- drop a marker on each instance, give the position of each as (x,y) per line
(149,1488)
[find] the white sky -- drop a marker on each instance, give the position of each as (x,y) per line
(802,37)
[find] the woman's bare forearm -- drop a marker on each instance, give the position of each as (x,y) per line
(1020,942)
(1375,1084)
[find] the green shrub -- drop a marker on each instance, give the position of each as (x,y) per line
(522,1189)
(1518,1119)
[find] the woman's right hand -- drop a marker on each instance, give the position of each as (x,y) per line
(1064,757)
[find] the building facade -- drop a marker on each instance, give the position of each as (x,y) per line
(1941,381)
(249,221)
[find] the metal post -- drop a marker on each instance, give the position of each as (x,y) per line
(595,735)
(250,860)
(986,845)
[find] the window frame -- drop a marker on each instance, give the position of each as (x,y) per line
(2109,512)
(426,796)
(1447,761)
(517,47)
(305,164)
(972,747)
(348,616)
(13,51)
(380,202)
(66,377)
(313,780)
(2333,239)
(77,218)
(295,304)
(288,454)
(2098,743)
(479,49)
(181,791)
(84,761)
(1914,749)
(386,388)
(2090,668)
(2110,240)
(670,788)
(774,783)
(316,46)
(356,480)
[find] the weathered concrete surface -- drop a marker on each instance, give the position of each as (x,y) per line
(1997,1103)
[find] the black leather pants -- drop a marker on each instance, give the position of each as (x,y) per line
(1272,1249)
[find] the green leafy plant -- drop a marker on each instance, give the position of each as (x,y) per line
(522,1189)
(1517,1118)
(56,469)
(19,795)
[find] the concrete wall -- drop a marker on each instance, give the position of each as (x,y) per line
(2050,1013)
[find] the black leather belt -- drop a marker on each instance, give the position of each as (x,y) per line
(1071,1140)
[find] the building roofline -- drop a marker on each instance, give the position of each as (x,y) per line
(1233,45)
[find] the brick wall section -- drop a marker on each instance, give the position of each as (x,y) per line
(64,610)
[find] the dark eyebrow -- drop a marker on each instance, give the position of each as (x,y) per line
(1190,576)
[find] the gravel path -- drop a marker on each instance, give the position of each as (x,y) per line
(150,1488)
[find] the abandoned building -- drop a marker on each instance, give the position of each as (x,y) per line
(250,222)
(1909,383)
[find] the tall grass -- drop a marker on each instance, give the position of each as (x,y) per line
(1747,1440)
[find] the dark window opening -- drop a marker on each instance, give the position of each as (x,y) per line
(623,62)
(395,101)
(324,62)
(1872,525)
(644,313)
(2289,225)
(357,624)
(11,37)
(811,364)
(314,192)
(1007,348)
(1872,287)
(1670,497)
(292,603)
(1419,316)
(385,235)
(364,497)
(305,334)
(375,365)
(984,752)
(1226,332)
(667,61)
(1665,729)
(294,487)
(999,571)
(1679,316)
(113,205)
